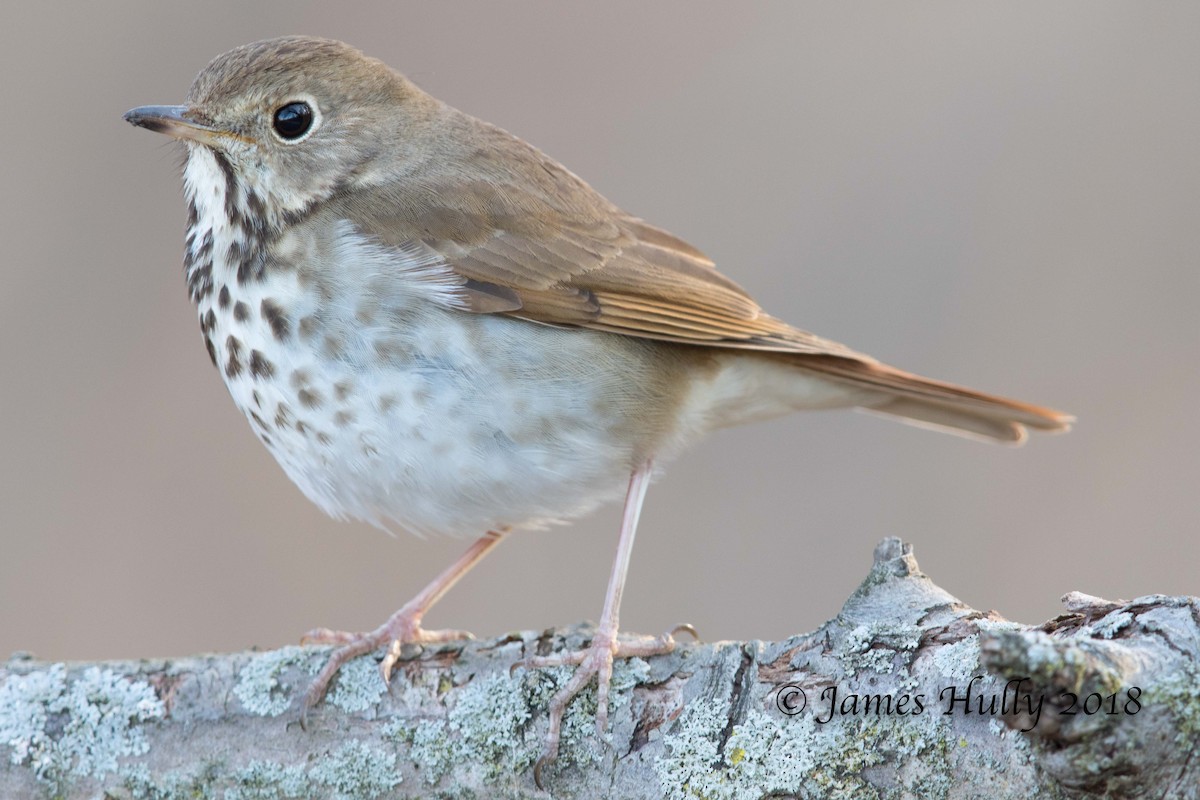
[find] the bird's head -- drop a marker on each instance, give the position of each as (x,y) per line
(294,120)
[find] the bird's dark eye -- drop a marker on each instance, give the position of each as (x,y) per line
(293,120)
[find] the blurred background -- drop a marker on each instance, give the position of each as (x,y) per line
(1003,195)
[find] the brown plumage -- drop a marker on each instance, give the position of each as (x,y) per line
(536,242)
(453,332)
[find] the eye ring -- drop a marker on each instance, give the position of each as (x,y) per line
(294,120)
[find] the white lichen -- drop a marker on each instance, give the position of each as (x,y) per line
(874,647)
(486,735)
(1109,626)
(258,687)
(690,751)
(996,626)
(958,660)
(177,785)
(431,750)
(356,772)
(66,729)
(1180,692)
(358,686)
(487,726)
(267,780)
(771,754)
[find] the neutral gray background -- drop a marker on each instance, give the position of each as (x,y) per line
(1005,195)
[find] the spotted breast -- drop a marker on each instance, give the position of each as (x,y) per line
(380,398)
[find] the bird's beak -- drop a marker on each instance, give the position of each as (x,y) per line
(174,121)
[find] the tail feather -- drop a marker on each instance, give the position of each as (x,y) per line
(935,404)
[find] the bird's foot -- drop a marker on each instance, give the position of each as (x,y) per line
(403,627)
(593,661)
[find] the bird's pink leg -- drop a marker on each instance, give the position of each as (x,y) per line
(402,628)
(596,660)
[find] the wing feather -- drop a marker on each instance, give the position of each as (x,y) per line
(530,239)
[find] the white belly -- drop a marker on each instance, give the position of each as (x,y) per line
(387,406)
(467,423)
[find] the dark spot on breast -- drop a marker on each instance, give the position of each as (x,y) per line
(278,320)
(392,351)
(208,322)
(199,279)
(365,315)
(212,351)
(308,326)
(223,297)
(299,379)
(255,205)
(257,398)
(310,398)
(260,367)
(197,267)
(283,416)
(324,439)
(341,390)
(258,421)
(206,245)
(241,311)
(343,418)
(303,428)
(332,347)
(231,186)
(250,260)
(233,367)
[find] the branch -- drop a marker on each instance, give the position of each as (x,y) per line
(906,693)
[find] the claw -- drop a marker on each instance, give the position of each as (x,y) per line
(683,627)
(537,770)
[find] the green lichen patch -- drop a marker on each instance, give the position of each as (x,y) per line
(488,734)
(768,755)
(358,686)
(1049,662)
(484,731)
(259,688)
(1180,692)
(356,772)
(67,729)
(874,647)
(268,780)
(958,660)
(200,785)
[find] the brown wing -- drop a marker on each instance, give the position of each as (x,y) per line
(647,283)
(628,278)
(532,240)
(528,238)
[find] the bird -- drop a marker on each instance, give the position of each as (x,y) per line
(433,325)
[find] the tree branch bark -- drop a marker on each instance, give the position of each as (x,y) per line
(906,693)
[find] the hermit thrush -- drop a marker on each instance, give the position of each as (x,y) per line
(431,323)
